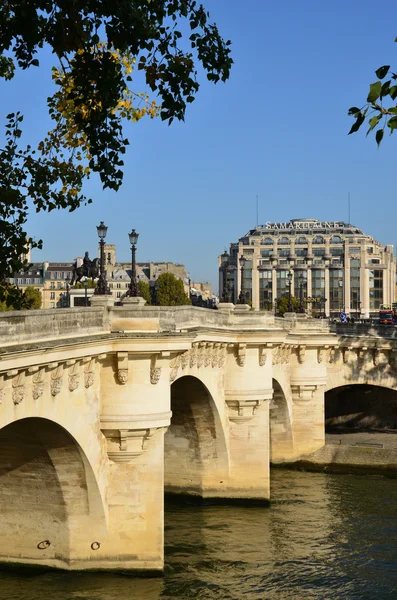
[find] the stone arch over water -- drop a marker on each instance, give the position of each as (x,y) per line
(51,507)
(195,447)
(281,442)
(360,407)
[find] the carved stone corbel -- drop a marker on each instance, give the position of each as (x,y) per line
(185,359)
(222,355)
(301,354)
(193,356)
(174,367)
(156,363)
(122,367)
(37,381)
(56,380)
(322,354)
(200,354)
(276,355)
(89,371)
(73,374)
(126,444)
(361,354)
(242,410)
(346,353)
(215,355)
(18,388)
(241,353)
(303,392)
(207,355)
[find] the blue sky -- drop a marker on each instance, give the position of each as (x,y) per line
(278,128)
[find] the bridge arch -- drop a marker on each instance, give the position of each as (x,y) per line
(360,407)
(281,441)
(195,447)
(51,504)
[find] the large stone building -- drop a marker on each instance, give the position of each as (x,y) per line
(336,266)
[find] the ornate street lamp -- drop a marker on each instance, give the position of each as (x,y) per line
(102,286)
(67,281)
(301,285)
(133,290)
(85,284)
(289,277)
(242,298)
(224,265)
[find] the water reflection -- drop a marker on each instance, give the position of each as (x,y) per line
(324,536)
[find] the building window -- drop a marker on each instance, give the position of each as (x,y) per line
(283,241)
(248,280)
(265,290)
(282,283)
(59,285)
(52,304)
(354,250)
(370,250)
(336,251)
(284,251)
(318,239)
(318,251)
(52,295)
(266,252)
(301,241)
(336,291)
(118,285)
(336,239)
(118,294)
(374,261)
(300,251)
(375,289)
(267,242)
(52,285)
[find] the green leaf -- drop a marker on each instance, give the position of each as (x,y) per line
(374,91)
(356,126)
(392,123)
(379,136)
(393,110)
(374,121)
(35,62)
(382,71)
(353,110)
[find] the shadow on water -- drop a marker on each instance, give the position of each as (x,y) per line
(324,536)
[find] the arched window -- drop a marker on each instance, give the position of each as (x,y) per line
(336,239)
(301,240)
(267,242)
(318,239)
(283,241)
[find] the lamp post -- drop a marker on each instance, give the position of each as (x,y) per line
(67,281)
(102,287)
(289,277)
(301,284)
(133,290)
(85,284)
(241,298)
(224,265)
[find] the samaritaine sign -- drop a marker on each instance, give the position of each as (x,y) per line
(306,224)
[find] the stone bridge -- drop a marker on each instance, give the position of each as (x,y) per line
(102,409)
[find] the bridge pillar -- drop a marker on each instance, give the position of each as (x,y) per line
(134,417)
(248,391)
(308,379)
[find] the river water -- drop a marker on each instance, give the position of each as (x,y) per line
(324,536)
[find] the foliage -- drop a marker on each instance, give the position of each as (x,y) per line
(170,291)
(144,289)
(282,304)
(93,95)
(13,298)
(380,109)
(33,295)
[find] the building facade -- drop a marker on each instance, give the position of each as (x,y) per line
(335,266)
